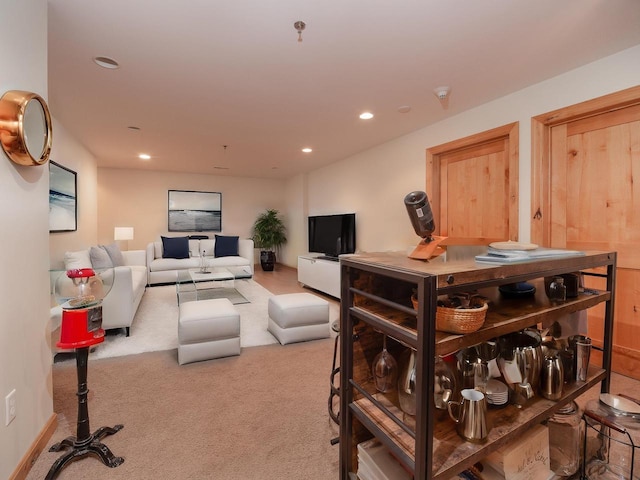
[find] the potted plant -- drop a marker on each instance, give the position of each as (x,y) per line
(269,234)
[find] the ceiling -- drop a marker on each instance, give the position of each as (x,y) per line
(197,75)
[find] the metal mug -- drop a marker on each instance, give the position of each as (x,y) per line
(471,416)
(581,345)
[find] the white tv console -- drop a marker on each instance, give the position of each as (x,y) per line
(319,274)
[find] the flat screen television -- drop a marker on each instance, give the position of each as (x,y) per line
(332,235)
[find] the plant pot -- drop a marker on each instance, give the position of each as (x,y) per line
(267,260)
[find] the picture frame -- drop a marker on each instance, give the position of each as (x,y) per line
(63,199)
(194,211)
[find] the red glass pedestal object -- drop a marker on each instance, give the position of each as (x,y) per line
(80,293)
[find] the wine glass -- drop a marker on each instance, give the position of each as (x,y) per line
(385,369)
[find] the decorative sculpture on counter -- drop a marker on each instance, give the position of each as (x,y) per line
(421,217)
(80,292)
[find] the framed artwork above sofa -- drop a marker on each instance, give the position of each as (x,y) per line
(192,211)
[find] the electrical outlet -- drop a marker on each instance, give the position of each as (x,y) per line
(10,407)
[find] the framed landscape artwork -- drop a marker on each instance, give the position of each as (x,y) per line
(63,199)
(195,211)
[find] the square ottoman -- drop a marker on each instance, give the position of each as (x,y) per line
(208,329)
(298,317)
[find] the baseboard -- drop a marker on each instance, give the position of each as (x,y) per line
(37,447)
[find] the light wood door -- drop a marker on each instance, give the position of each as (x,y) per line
(473,187)
(594,204)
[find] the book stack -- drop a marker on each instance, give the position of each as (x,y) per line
(496,255)
(375,462)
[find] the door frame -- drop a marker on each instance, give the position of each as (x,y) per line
(541,126)
(509,132)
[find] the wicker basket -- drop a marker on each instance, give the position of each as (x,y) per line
(460,320)
(457,320)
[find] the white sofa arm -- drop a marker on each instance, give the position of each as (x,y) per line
(117,306)
(135,257)
(245,249)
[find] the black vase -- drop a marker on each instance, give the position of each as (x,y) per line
(267,260)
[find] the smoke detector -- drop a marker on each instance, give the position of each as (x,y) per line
(442,92)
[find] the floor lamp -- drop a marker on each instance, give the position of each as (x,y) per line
(123,234)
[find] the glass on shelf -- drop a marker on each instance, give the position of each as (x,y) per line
(384,369)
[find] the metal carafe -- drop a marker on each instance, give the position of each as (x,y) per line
(552,376)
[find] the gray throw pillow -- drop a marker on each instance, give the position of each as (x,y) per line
(115,254)
(100,258)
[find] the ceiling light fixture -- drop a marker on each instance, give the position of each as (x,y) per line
(366,115)
(106,62)
(404,109)
(299,26)
(144,156)
(307,150)
(135,129)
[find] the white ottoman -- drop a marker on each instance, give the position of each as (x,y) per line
(208,329)
(298,317)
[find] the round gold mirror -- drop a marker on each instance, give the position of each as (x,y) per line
(25,127)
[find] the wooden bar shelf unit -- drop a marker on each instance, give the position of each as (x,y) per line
(376,291)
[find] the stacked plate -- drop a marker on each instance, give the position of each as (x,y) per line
(497,392)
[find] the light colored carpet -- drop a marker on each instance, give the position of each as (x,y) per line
(261,415)
(155,326)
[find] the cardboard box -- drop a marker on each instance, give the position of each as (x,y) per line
(526,458)
(375,462)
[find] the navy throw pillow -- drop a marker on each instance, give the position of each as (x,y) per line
(225,246)
(175,247)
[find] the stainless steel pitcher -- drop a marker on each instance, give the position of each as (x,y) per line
(471,415)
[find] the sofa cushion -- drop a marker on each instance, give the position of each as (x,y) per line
(115,254)
(175,247)
(194,248)
(207,247)
(226,246)
(79,259)
(157,249)
(100,258)
(163,264)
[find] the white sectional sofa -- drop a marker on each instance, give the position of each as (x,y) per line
(165,270)
(129,282)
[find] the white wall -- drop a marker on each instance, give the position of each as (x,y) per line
(373,183)
(295,215)
(25,358)
(139,199)
(69,153)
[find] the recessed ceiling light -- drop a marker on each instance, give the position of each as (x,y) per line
(135,129)
(404,109)
(106,62)
(218,167)
(366,115)
(144,156)
(307,150)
